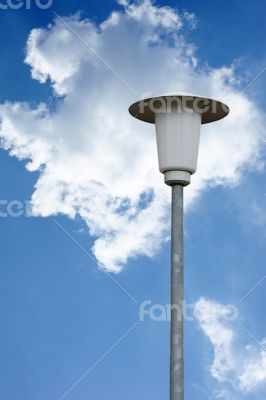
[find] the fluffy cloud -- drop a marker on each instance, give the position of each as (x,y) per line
(245,370)
(254,371)
(95,161)
(211,317)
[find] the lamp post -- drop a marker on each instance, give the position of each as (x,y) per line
(177,119)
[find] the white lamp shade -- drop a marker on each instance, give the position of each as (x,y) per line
(178,118)
(178,135)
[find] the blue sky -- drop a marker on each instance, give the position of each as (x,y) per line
(67,328)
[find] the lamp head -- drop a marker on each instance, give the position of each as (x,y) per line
(178,119)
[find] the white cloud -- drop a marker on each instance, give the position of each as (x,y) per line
(211,317)
(254,371)
(157,17)
(191,19)
(223,394)
(145,46)
(258,213)
(244,369)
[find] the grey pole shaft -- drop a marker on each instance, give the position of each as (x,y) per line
(177,295)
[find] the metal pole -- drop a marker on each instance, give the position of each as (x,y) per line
(177,295)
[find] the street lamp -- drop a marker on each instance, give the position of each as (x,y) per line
(178,119)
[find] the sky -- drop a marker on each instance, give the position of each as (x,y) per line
(84,213)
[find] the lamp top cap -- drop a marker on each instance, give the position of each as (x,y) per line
(210,109)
